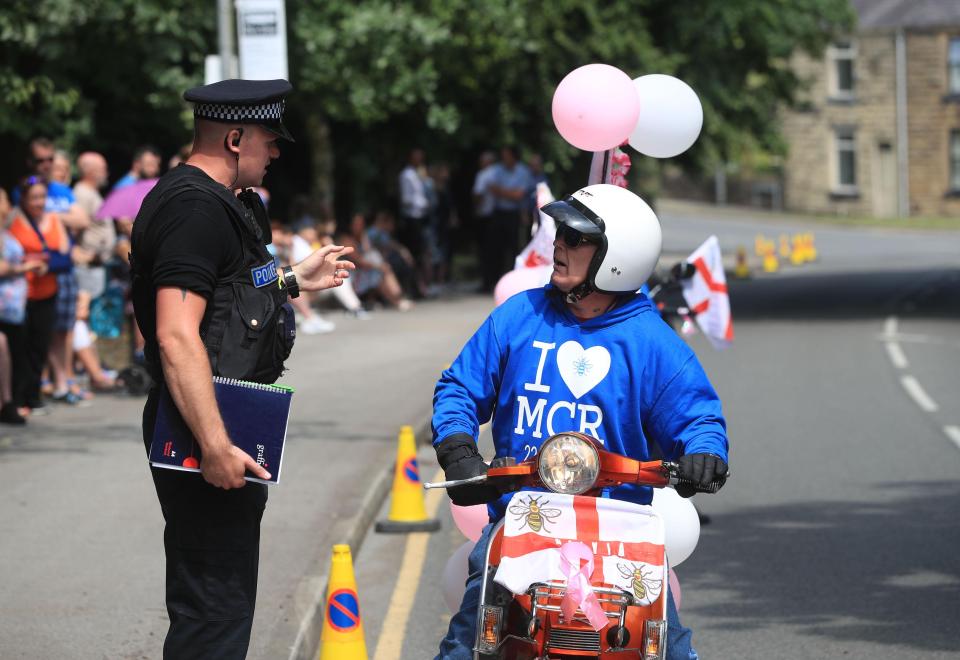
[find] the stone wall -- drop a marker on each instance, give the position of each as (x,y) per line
(930,117)
(810,170)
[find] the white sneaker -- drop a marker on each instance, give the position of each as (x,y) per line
(360,314)
(316,325)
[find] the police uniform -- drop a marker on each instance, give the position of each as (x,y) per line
(195,234)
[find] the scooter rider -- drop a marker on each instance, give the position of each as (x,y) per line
(585,353)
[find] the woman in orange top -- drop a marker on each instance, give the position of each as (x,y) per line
(43,237)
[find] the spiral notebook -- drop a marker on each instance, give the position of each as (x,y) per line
(254,414)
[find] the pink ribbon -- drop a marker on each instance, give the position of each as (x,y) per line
(579,590)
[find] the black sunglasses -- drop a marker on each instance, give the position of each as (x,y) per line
(573,238)
(45,159)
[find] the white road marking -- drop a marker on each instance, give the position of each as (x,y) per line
(890,342)
(953,432)
(919,396)
(896,355)
(890,327)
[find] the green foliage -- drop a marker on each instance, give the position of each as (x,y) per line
(113,69)
(466,75)
(453,75)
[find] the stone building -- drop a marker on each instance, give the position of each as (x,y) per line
(878,133)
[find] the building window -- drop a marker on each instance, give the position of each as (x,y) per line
(953,66)
(845,148)
(842,56)
(955,161)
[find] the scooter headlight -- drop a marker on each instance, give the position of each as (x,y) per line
(568,464)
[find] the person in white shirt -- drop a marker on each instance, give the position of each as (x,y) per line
(415,210)
(483,206)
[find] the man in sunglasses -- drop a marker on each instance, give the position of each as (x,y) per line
(586,353)
(60,197)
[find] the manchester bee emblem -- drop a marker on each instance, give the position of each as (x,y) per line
(533,513)
(639,580)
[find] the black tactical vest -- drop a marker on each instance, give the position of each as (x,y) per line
(248,328)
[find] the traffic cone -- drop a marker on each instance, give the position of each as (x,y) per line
(742,269)
(770,262)
(407,510)
(342,635)
(785,250)
(798,256)
(811,248)
(759,245)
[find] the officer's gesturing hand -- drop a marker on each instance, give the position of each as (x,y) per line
(324,269)
(225,466)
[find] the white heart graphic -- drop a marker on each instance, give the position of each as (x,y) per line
(582,370)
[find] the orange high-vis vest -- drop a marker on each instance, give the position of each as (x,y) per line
(39,287)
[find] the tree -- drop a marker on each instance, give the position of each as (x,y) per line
(466,74)
(104,74)
(376,77)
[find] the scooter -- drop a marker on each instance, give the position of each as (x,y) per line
(664,291)
(627,615)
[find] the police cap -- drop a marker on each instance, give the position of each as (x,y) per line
(243,102)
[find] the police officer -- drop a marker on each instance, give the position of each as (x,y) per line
(210,302)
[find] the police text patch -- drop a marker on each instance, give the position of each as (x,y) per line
(264,275)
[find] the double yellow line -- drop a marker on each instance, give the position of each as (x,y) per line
(390,643)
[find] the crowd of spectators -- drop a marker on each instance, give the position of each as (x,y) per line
(57,261)
(63,268)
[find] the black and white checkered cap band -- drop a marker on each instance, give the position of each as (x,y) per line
(265,112)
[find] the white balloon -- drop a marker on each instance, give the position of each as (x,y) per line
(670,116)
(681,522)
(455,577)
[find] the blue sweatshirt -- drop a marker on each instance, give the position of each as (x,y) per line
(624,377)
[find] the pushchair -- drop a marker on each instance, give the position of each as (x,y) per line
(110,315)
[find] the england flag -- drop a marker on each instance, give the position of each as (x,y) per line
(706,294)
(627,540)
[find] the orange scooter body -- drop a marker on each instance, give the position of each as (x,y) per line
(531,627)
(573,639)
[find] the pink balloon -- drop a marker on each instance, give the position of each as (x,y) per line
(470,519)
(521,279)
(596,107)
(675,589)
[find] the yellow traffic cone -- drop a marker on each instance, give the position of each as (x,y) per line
(798,256)
(785,250)
(342,635)
(407,510)
(759,243)
(770,262)
(742,269)
(811,248)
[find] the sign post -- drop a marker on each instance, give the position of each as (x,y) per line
(262,39)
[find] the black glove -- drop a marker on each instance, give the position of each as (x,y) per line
(702,470)
(459,458)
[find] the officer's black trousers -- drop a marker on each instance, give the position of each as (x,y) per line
(212,542)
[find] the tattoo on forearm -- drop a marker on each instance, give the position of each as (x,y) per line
(183,293)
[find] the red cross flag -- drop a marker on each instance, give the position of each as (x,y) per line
(706,294)
(626,540)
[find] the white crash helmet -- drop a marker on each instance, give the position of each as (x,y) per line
(628,231)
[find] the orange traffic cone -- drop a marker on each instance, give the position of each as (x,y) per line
(407,510)
(342,635)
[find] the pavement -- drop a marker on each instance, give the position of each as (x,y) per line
(82,560)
